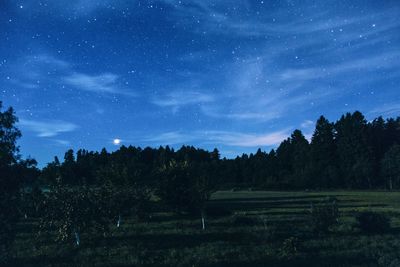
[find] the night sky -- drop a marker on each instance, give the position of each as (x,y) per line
(236,75)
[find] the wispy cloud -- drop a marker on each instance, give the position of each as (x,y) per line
(257,92)
(387,109)
(268,84)
(307,124)
(81,8)
(238,139)
(226,138)
(33,71)
(221,18)
(48,128)
(62,142)
(169,138)
(49,60)
(105,82)
(178,99)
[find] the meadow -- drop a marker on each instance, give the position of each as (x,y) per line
(243,228)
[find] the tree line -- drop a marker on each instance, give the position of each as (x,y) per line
(350,153)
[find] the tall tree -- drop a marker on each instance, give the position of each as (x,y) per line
(379,144)
(9,184)
(68,169)
(300,158)
(69,211)
(355,157)
(185,186)
(51,172)
(323,170)
(284,158)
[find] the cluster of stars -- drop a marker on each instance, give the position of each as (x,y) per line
(115,69)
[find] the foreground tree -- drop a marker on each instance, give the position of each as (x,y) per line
(71,211)
(116,202)
(9,184)
(185,187)
(68,211)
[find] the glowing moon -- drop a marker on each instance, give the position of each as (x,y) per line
(117,141)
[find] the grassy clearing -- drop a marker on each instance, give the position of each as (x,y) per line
(263,229)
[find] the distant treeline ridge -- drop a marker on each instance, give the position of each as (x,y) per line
(349,153)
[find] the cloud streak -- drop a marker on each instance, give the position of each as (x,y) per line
(47,69)
(388,109)
(179,99)
(103,83)
(226,138)
(48,128)
(238,139)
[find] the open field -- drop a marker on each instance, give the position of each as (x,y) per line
(253,228)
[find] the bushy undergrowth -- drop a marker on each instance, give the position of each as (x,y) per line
(324,215)
(372,222)
(289,248)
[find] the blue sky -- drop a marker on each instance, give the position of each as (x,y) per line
(236,75)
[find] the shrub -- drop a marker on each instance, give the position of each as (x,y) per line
(31,204)
(289,248)
(372,222)
(389,260)
(324,216)
(184,186)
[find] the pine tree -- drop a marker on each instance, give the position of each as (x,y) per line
(300,158)
(354,154)
(323,170)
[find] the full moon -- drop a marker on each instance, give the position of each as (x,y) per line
(116,141)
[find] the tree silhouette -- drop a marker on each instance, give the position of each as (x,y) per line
(391,167)
(323,168)
(9,182)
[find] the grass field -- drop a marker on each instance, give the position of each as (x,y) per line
(254,228)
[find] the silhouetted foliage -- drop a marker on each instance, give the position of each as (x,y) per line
(14,174)
(391,167)
(323,168)
(324,215)
(289,248)
(69,212)
(372,222)
(350,153)
(185,186)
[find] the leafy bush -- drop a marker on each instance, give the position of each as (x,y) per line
(184,186)
(389,260)
(31,203)
(372,222)
(324,216)
(289,248)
